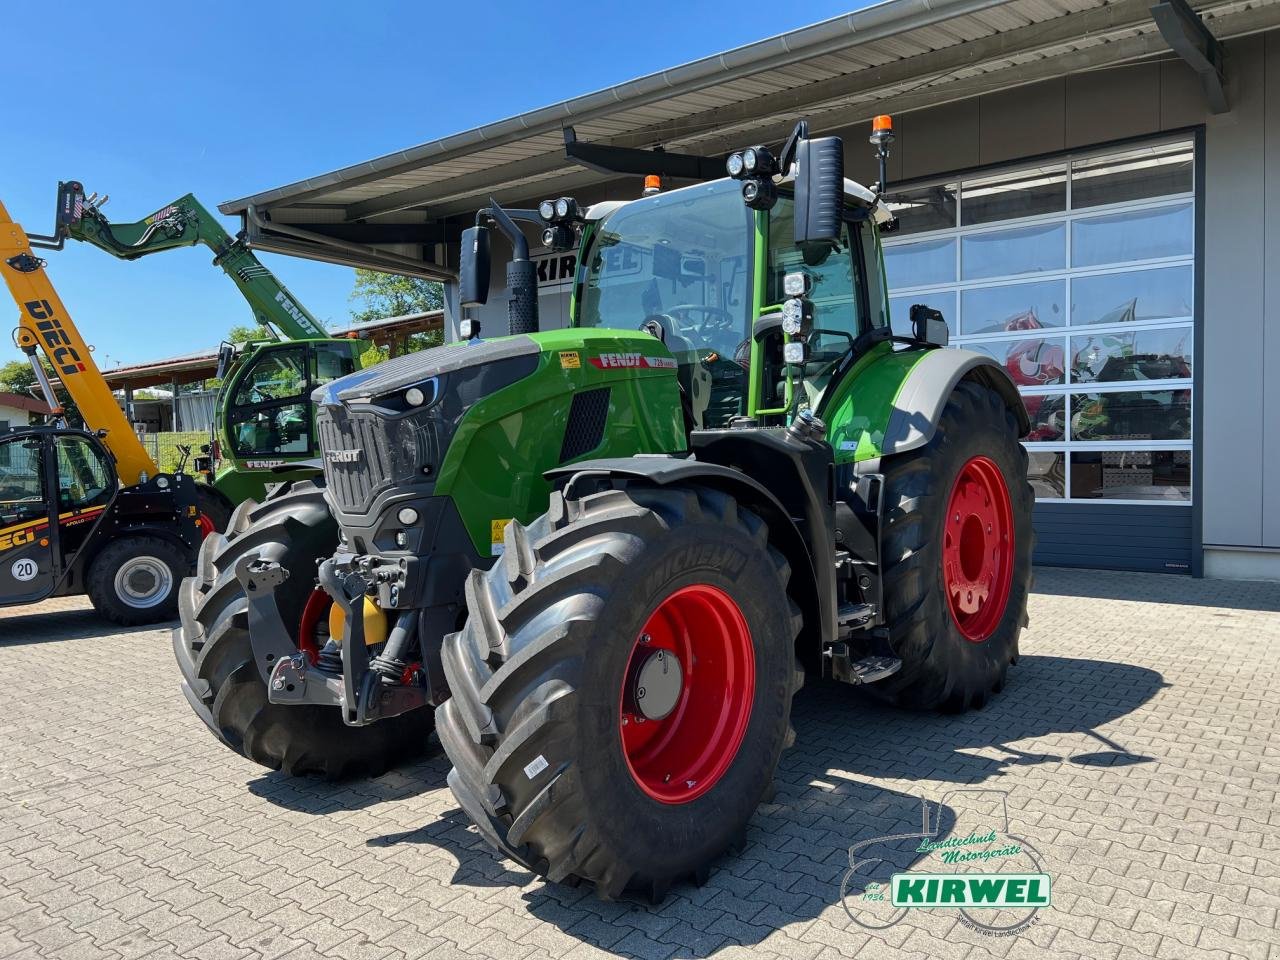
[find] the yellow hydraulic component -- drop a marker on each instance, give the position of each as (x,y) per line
(44,324)
(375,623)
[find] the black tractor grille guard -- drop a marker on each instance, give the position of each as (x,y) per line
(366,453)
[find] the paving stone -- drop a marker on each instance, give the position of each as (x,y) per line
(1134,743)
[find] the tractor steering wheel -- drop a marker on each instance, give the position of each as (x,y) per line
(716,318)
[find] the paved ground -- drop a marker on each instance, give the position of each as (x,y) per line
(1137,744)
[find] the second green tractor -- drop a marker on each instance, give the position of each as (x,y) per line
(609,556)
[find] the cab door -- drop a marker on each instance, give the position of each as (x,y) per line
(29,561)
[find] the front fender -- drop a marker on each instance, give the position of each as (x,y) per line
(892,400)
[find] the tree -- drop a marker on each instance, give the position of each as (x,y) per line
(16,376)
(381,295)
(242,334)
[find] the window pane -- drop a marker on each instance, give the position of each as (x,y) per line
(1007,252)
(929,208)
(1132,415)
(82,477)
(1133,235)
(1016,306)
(1134,175)
(1048,415)
(279,374)
(1004,197)
(920,263)
(332,361)
(1031,362)
(1132,475)
(1141,355)
(1136,295)
(271,430)
(21,482)
(900,309)
(1047,473)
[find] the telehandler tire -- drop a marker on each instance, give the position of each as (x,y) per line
(222,681)
(214,512)
(622,688)
(957,556)
(136,580)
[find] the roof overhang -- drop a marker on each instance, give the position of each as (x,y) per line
(403,212)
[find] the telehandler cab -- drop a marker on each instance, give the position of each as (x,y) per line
(728,474)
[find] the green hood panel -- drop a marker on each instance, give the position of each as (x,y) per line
(630,400)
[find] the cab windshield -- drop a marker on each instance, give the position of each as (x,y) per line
(680,258)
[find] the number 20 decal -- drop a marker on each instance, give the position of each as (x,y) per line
(24,569)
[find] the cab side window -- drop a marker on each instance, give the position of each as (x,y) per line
(277,375)
(332,360)
(21,481)
(83,479)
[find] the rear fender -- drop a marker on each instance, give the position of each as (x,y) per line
(579,478)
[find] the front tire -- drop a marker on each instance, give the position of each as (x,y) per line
(957,556)
(220,676)
(568,763)
(135,580)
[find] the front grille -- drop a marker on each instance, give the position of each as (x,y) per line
(365,453)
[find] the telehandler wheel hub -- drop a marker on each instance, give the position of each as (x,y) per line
(143,582)
(977,549)
(687,694)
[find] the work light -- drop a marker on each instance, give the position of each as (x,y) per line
(795,284)
(547,209)
(734,165)
(562,207)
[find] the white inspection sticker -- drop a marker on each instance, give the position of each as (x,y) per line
(535,766)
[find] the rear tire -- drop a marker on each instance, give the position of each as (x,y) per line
(957,643)
(135,580)
(547,669)
(221,679)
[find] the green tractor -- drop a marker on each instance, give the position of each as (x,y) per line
(610,555)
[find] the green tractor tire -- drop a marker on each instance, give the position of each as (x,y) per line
(221,679)
(622,689)
(957,556)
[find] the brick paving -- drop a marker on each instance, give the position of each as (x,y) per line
(1136,743)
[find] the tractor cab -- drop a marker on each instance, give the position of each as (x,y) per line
(706,274)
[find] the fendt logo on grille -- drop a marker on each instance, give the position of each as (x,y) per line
(343,456)
(64,356)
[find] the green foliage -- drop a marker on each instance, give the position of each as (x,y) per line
(163,447)
(16,376)
(373,355)
(425,341)
(380,295)
(243,334)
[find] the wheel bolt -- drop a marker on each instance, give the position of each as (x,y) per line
(645,638)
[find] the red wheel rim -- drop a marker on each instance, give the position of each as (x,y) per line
(977,549)
(314,613)
(680,757)
(205,522)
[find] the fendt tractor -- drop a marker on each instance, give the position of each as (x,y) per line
(264,421)
(610,555)
(87,511)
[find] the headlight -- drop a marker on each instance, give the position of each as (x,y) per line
(407,516)
(414,397)
(547,209)
(734,164)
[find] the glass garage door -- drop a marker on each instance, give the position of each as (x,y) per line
(1077,277)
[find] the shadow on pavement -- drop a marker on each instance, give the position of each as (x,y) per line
(52,626)
(1230,595)
(318,797)
(824,806)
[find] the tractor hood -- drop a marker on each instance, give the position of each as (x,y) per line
(416,369)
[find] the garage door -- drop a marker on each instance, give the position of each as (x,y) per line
(1077,276)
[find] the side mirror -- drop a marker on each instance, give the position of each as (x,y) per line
(473,267)
(819,190)
(226,354)
(928,326)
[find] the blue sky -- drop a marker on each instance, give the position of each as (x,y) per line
(148,101)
